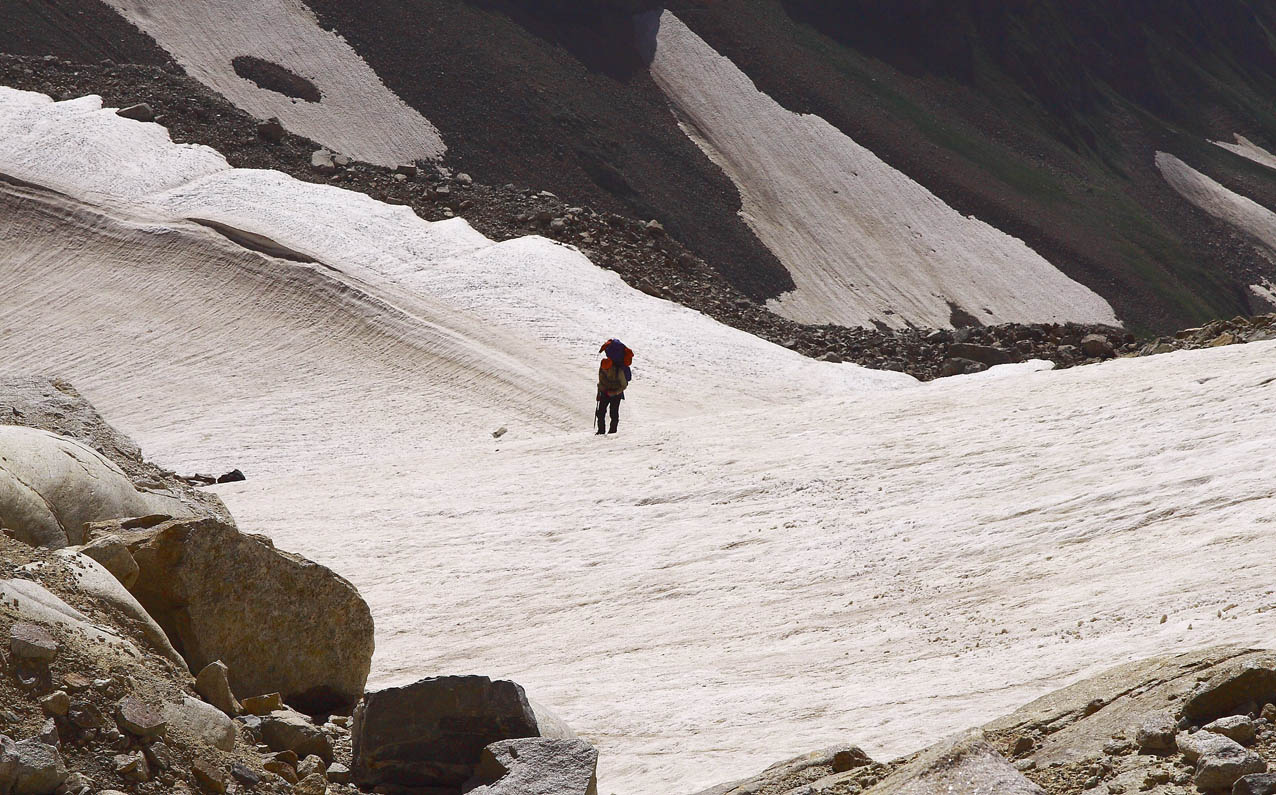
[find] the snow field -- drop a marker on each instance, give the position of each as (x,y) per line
(703,596)
(357,115)
(863,242)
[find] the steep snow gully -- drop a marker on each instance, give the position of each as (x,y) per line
(864,243)
(775,554)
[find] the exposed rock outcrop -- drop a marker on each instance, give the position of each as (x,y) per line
(967,764)
(837,769)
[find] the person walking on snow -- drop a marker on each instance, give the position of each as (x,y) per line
(614,375)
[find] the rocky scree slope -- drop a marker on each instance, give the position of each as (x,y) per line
(101,637)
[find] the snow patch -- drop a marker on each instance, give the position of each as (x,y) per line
(1248,149)
(1224,204)
(864,243)
(357,116)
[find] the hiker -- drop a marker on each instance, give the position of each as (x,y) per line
(614,375)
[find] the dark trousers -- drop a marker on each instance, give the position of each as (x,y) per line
(606,403)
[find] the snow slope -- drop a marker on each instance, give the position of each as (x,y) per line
(705,596)
(1225,204)
(526,311)
(863,242)
(774,555)
(1248,149)
(357,115)
(1243,213)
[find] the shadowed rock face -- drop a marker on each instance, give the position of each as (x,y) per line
(433,732)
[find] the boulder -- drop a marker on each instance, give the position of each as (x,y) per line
(536,766)
(314,784)
(1236,727)
(271,130)
(139,112)
(959,366)
(1195,745)
(432,732)
(968,764)
(1097,346)
(213,683)
(112,553)
(311,765)
(140,719)
(37,766)
(202,722)
(209,775)
(288,730)
(1232,690)
(1156,733)
(32,642)
(984,354)
(1220,768)
(279,622)
(233,476)
(51,486)
(321,161)
(1255,784)
(262,705)
(53,405)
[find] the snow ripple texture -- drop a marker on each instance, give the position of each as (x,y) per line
(864,243)
(774,555)
(358,115)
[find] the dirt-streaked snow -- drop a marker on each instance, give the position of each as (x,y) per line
(863,242)
(1248,149)
(1226,205)
(774,555)
(1223,203)
(357,116)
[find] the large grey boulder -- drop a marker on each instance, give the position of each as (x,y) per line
(53,405)
(281,623)
(1239,687)
(289,730)
(51,486)
(37,767)
(432,733)
(536,766)
(1220,769)
(201,722)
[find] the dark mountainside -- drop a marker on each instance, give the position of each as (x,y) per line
(1042,119)
(560,103)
